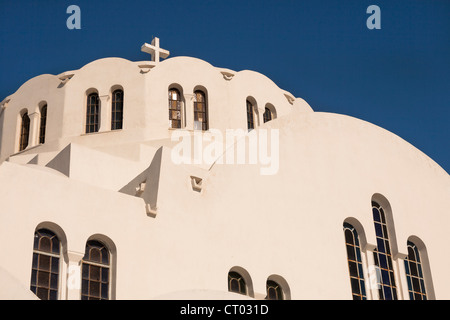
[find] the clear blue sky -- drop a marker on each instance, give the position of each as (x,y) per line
(397,77)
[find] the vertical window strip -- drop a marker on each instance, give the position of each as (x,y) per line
(250,116)
(95,273)
(92,113)
(236,283)
(24,132)
(117,110)
(355,266)
(174,109)
(383,256)
(200,111)
(43,124)
(267,115)
(45,266)
(414,274)
(274,291)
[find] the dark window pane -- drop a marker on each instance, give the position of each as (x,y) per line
(380,245)
(55,265)
(351,252)
(392,278)
(387,247)
(55,245)
(53,295)
(355,285)
(33,277)
(94,289)
(105,275)
(117,108)
(387,293)
(348,236)
(271,294)
(385,232)
(42,293)
(94,273)
(35,260)
(45,244)
(54,281)
(409,283)
(360,271)
(413,268)
(85,271)
(44,262)
(24,132)
(376,215)
(383,261)
(95,255)
(363,288)
(378,230)
(416,284)
(43,279)
(383,220)
(104,291)
(353,269)
(85,287)
(385,277)
(234,285)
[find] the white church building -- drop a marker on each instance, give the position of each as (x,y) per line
(176,179)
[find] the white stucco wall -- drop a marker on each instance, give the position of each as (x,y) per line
(288,224)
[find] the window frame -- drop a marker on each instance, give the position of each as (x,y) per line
(175,106)
(201,108)
(88,263)
(242,284)
(383,256)
(416,289)
(267,116)
(37,269)
(279,292)
(43,123)
(92,110)
(116,112)
(354,257)
(24,134)
(250,115)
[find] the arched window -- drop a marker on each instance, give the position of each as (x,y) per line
(236,283)
(43,124)
(414,274)
(200,111)
(174,109)
(117,110)
(383,256)
(24,131)
(273,291)
(250,116)
(267,115)
(45,267)
(95,277)
(92,113)
(355,266)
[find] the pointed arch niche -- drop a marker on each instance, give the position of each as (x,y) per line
(239,281)
(357,258)
(176,106)
(386,252)
(418,271)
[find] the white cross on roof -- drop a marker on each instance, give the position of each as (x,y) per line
(155,51)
